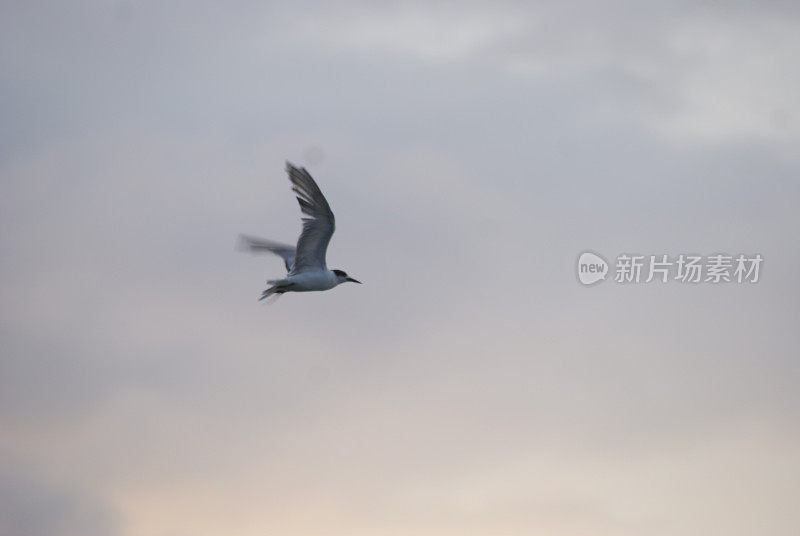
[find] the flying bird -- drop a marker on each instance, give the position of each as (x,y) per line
(305,263)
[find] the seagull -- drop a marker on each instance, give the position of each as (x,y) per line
(305,263)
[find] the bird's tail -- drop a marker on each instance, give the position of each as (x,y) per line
(269,292)
(279,286)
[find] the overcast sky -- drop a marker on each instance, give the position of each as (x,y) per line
(470,152)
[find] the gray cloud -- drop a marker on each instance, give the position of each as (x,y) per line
(33,506)
(470,386)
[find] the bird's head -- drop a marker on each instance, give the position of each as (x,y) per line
(342,277)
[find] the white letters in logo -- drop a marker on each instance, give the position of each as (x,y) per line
(591,268)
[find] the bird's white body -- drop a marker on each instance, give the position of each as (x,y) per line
(306,261)
(309,281)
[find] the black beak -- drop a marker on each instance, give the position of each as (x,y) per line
(353,280)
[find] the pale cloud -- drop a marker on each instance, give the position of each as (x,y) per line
(702,76)
(438,33)
(737,80)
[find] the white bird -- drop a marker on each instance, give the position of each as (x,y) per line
(305,263)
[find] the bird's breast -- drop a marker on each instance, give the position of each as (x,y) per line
(317,280)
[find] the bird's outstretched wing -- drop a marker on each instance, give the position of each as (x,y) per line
(318,226)
(258,245)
